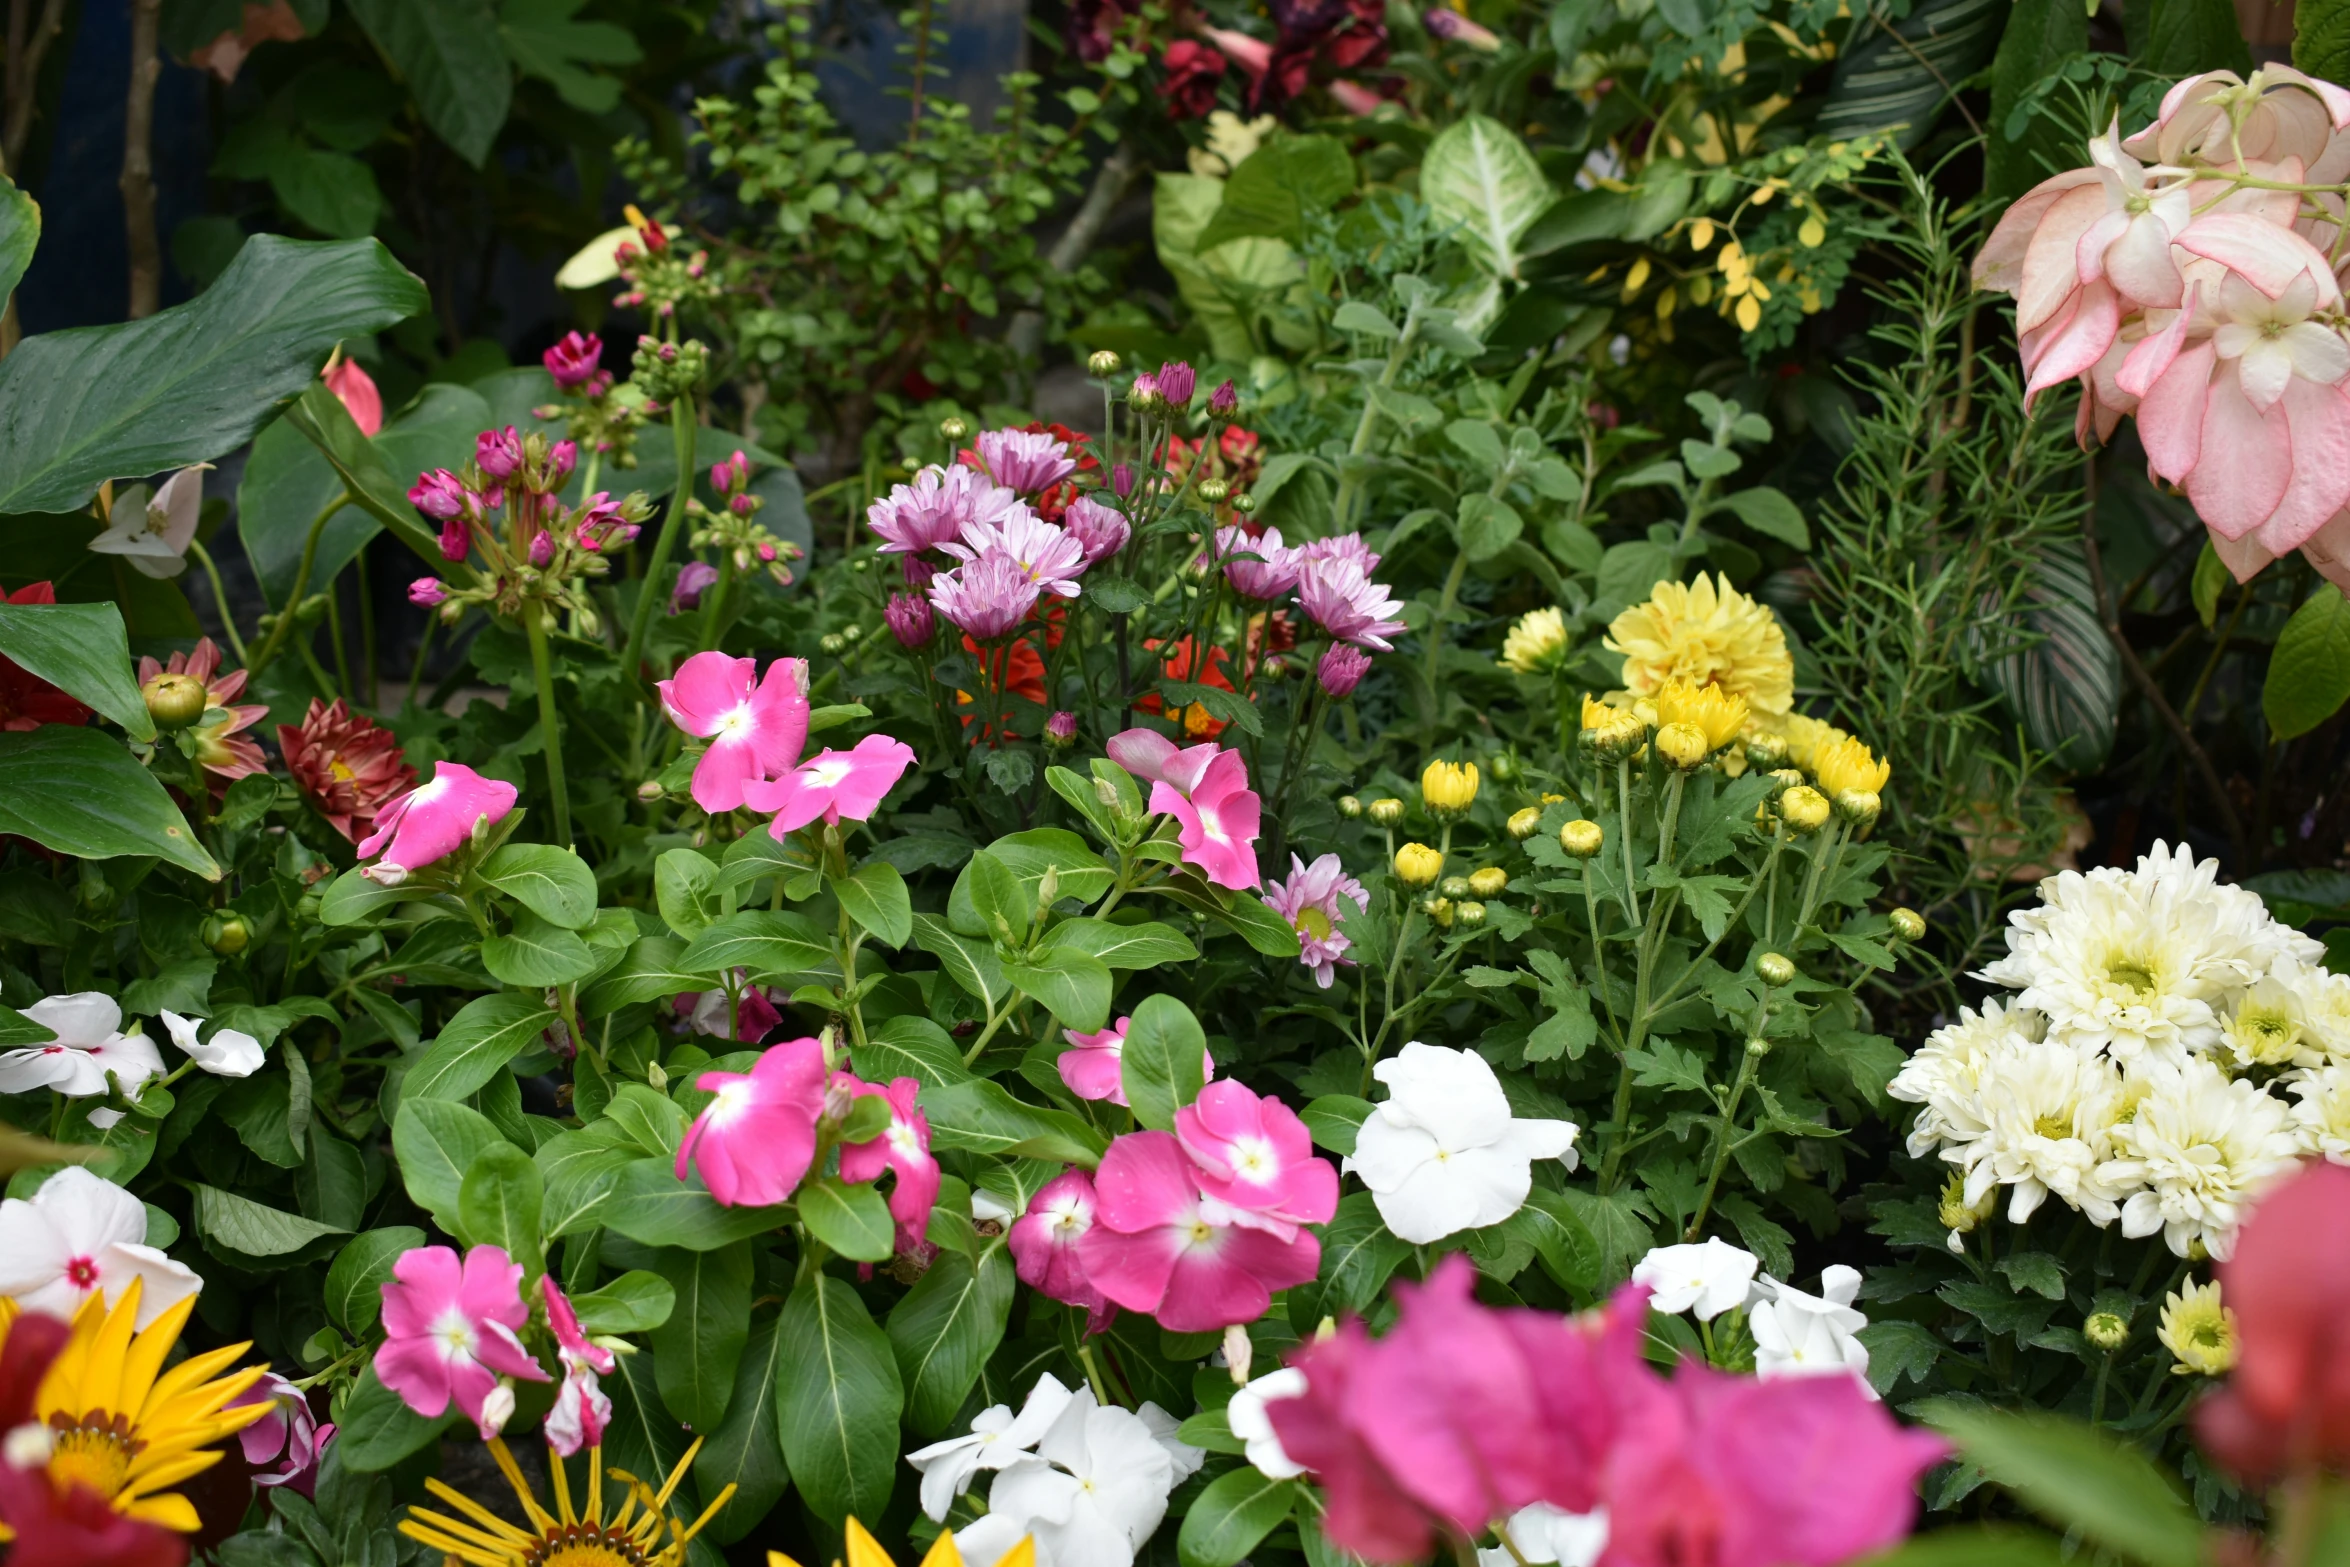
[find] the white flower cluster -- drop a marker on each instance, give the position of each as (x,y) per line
(1795,1334)
(2169,1049)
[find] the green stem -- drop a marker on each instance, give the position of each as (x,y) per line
(534,624)
(334,637)
(228,618)
(681,424)
(1624,833)
(285,619)
(1721,1156)
(714,606)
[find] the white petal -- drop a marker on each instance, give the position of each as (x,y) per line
(986,1542)
(44,1066)
(2319,354)
(1387,1155)
(2264,371)
(1047,1402)
(32,1253)
(1451,1093)
(230,1053)
(945,1476)
(90,1212)
(167,1282)
(1536,1139)
(83,1018)
(1031,1492)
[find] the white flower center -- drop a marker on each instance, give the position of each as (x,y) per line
(828,773)
(1211,826)
(453,1331)
(732,1101)
(1253,1159)
(735,725)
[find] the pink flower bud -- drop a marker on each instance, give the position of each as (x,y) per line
(1342,668)
(767,552)
(575,361)
(456,539)
(427,591)
(1177,380)
(542,549)
(1122,480)
(693,580)
(743,505)
(563,459)
(919,572)
(1224,401)
(1061,729)
(911,619)
(498,453)
(355,389)
(438,495)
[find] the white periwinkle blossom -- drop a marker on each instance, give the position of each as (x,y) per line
(90,1043)
(1796,1334)
(80,1235)
(1092,1493)
(229,1052)
(1704,1281)
(1442,1153)
(998,1437)
(1543,1533)
(1246,1415)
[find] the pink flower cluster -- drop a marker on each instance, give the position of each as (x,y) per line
(1196,1227)
(756,729)
(1205,788)
(507,505)
(1464,1414)
(1332,580)
(2183,278)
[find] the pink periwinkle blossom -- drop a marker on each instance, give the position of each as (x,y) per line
(694,579)
(576,363)
(1094,1065)
(1259,567)
(1251,1154)
(1046,553)
(450,1331)
(582,1408)
(1154,758)
(935,508)
(1027,462)
(1223,402)
(705,1011)
(1310,902)
(498,453)
(753,1143)
(910,619)
(835,785)
(425,592)
(755,727)
(283,1446)
(432,820)
(903,1150)
(1341,668)
(1176,381)
(1044,1243)
(1219,819)
(1343,600)
(1100,531)
(1161,1245)
(440,495)
(988,598)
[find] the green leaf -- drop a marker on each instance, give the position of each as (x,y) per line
(475,1046)
(1000,906)
(839,1398)
(909,1046)
(2066,685)
(636,1302)
(1479,175)
(698,1346)
(376,1430)
(1074,987)
(649,972)
(2309,674)
(2211,579)
(650,1204)
(332,192)
(258,1235)
(852,1219)
(1355,316)
(643,1438)
(2040,36)
(1161,1064)
(1219,285)
(945,1329)
(1897,1349)
(1230,1517)
(981,1116)
(1770,513)
(1487,526)
(20,234)
(1334,1120)
(2080,1479)
(548,42)
(536,955)
(555,884)
(654,1122)
(185,986)
(769,944)
(77,792)
(190,383)
(1977,1545)
(1143,946)
(1359,1254)
(746,1451)
(363,470)
(875,896)
(2184,37)
(685,887)
(1271,193)
(83,650)
(354,1284)
(971,963)
(450,55)
(1478,441)
(1246,915)
(1901,76)
(435,1141)
(499,1201)
(1569,1251)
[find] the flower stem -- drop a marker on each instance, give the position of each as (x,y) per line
(228,617)
(1624,834)
(681,424)
(534,623)
(285,617)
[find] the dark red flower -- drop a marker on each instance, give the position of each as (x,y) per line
(346,766)
(26,700)
(1335,35)
(1193,73)
(2288,1401)
(1092,29)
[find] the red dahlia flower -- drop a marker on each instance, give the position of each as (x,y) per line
(346,766)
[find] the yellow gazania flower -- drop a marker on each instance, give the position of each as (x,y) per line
(122,1425)
(1846,766)
(2200,1331)
(866,1551)
(1717,713)
(629,1538)
(1706,631)
(1536,644)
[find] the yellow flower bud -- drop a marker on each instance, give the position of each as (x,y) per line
(1683,745)
(2106,1330)
(1454,886)
(1349,807)
(1537,644)
(1490,882)
(1417,865)
(1469,913)
(174,701)
(1448,789)
(1844,765)
(1385,813)
(1581,838)
(1765,751)
(1707,708)
(1804,808)
(1440,910)
(2199,1331)
(1522,824)
(1959,1216)
(1859,807)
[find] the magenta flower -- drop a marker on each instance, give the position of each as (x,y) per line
(1343,600)
(1341,669)
(498,453)
(1028,462)
(729,474)
(1060,728)
(1342,546)
(1160,1245)
(935,508)
(542,548)
(704,1012)
(1044,1243)
(429,822)
(449,1330)
(576,362)
(1094,1066)
(1310,903)
(456,539)
(988,597)
(694,579)
(833,785)
(1253,1155)
(904,1149)
(910,620)
(1122,479)
(1176,381)
(1048,556)
(1100,531)
(1257,568)
(1219,818)
(439,495)
(753,1143)
(1154,758)
(425,592)
(755,727)
(582,1409)
(283,1446)
(1223,402)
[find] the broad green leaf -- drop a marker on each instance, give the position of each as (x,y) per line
(1479,175)
(1487,526)
(20,234)
(1257,925)
(945,1329)
(767,943)
(555,884)
(2211,579)
(1271,195)
(364,468)
(685,889)
(1897,79)
(1000,908)
(650,1204)
(354,1285)
(649,972)
(1074,987)
(435,1141)
(1334,1120)
(1359,1255)
(2172,38)
(80,793)
(875,896)
(2309,674)
(499,1201)
(636,1302)
(2081,1479)
(548,41)
(476,1044)
(1230,1517)
(17,1029)
(537,954)
(652,1121)
(969,962)
(981,1116)
(699,1344)
(839,1397)
(1079,872)
(331,1185)
(909,1046)
(1148,945)
(1770,513)
(746,1451)
(852,1219)
(191,383)
(643,1438)
(453,61)
(83,650)
(375,1430)
(332,192)
(1569,1252)
(1978,1545)
(2039,38)
(353,898)
(256,1234)
(1222,287)
(1162,1065)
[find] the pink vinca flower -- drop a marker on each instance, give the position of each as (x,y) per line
(753,1143)
(1258,568)
(704,1011)
(582,1408)
(431,821)
(755,727)
(450,1330)
(932,511)
(1219,818)
(1028,461)
(1252,1156)
(1094,1065)
(989,597)
(1160,1245)
(1046,554)
(902,1150)
(283,1446)
(1154,758)
(1340,596)
(1044,1243)
(1310,901)
(833,785)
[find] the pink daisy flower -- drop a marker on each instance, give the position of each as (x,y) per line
(1309,901)
(1046,554)
(988,597)
(1259,568)
(934,509)
(1028,461)
(1343,600)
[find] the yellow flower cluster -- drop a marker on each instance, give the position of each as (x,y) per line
(1706,632)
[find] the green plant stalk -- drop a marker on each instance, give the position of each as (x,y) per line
(228,619)
(1349,485)
(268,650)
(714,605)
(1624,824)
(1826,849)
(542,669)
(1598,959)
(334,637)
(1451,595)
(1660,914)
(681,424)
(1747,1061)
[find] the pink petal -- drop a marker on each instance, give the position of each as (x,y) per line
(2000,266)
(1143,752)
(2139,265)
(2170,412)
(2247,461)
(706,687)
(413,1368)
(2153,355)
(2081,341)
(2318,418)
(2050,270)
(781,712)
(2264,255)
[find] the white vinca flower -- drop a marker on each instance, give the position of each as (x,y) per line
(1442,1153)
(1945,1076)
(998,1437)
(90,1043)
(1543,1533)
(2196,1153)
(1246,1415)
(1094,1491)
(2048,1112)
(1704,1281)
(1796,1334)
(2321,1111)
(80,1235)
(228,1053)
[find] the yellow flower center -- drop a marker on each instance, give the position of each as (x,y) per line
(338,772)
(2131,972)
(1314,922)
(2055,1126)
(97,1456)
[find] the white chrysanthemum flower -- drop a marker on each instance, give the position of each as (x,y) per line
(2324,998)
(2139,963)
(2198,1150)
(2048,1112)
(2321,1112)
(2266,1027)
(1946,1074)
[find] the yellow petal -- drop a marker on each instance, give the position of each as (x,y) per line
(148,1352)
(864,1550)
(942,1551)
(171,1512)
(1021,1555)
(102,1385)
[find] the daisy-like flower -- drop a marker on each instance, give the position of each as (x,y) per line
(2323,1001)
(81,1236)
(121,1424)
(2265,1029)
(1340,546)
(2196,1153)
(1258,568)
(1047,555)
(1309,902)
(346,766)
(1537,643)
(1717,714)
(1846,766)
(1100,531)
(218,746)
(1945,1076)
(2198,1330)
(2321,1110)
(932,511)
(1027,462)
(988,597)
(1706,631)
(639,1532)
(2048,1114)
(1339,595)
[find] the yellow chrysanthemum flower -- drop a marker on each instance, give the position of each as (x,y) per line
(1537,644)
(629,1538)
(1717,713)
(1807,737)
(866,1551)
(1846,766)
(2199,1331)
(122,1425)
(1706,631)
(1448,789)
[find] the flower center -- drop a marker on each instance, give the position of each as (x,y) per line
(1313,922)
(82,1273)
(734,726)
(2055,1127)
(454,1332)
(732,1100)
(583,1545)
(1210,825)
(1253,1159)
(2131,972)
(826,774)
(97,1455)
(338,771)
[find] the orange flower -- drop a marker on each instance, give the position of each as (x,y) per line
(1197,724)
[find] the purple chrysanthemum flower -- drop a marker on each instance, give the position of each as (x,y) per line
(910,619)
(1344,546)
(1343,600)
(988,596)
(1101,531)
(1309,901)
(1342,669)
(1026,461)
(1258,568)
(935,508)
(1050,557)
